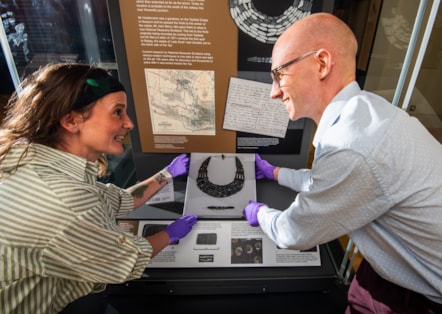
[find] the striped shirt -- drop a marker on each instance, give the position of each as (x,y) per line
(59,239)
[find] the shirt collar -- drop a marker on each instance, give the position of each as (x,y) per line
(333,110)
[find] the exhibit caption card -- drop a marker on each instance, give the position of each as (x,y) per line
(221,243)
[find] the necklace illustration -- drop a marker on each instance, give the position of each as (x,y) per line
(216,190)
(263,27)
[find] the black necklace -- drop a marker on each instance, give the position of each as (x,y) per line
(216,190)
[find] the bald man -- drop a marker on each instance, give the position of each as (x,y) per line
(376,176)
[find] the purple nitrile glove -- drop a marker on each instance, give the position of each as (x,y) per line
(178,166)
(250,212)
(263,168)
(180,227)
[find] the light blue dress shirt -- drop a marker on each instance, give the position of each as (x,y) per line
(377,176)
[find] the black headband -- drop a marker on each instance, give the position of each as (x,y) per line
(95,88)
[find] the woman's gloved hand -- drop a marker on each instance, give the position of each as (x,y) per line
(180,227)
(250,212)
(263,168)
(179,166)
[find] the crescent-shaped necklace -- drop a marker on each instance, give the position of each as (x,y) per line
(216,190)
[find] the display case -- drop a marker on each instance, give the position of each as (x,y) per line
(392,35)
(210,281)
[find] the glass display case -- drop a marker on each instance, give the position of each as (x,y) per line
(393,61)
(393,36)
(40,32)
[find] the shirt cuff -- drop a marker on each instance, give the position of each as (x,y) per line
(166,175)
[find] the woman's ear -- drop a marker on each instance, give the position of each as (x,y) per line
(324,59)
(70,122)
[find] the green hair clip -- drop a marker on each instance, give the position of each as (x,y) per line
(91,82)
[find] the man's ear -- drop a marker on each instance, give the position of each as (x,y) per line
(70,122)
(324,59)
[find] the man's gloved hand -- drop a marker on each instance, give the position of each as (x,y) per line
(263,168)
(180,227)
(178,166)
(250,212)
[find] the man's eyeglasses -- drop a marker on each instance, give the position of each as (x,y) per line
(276,74)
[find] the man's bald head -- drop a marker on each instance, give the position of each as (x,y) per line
(320,30)
(316,31)
(330,48)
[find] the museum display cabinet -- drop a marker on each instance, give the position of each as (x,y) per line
(398,58)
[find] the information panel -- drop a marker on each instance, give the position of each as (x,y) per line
(221,244)
(180,55)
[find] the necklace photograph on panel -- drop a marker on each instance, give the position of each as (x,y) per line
(260,23)
(220,185)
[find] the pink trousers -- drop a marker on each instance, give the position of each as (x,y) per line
(370,293)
